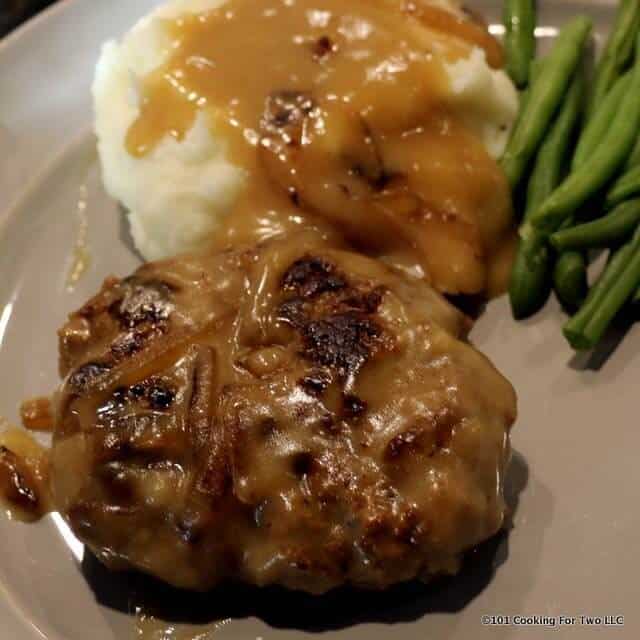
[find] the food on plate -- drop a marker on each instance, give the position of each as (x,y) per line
(292,401)
(37,414)
(24,475)
(617,285)
(546,96)
(588,179)
(294,414)
(626,186)
(519,38)
(634,158)
(613,229)
(380,119)
(570,280)
(618,52)
(530,283)
(571,183)
(598,125)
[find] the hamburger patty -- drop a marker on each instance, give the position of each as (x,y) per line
(290,414)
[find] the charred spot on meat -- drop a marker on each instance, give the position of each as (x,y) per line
(142,302)
(311,276)
(87,376)
(335,318)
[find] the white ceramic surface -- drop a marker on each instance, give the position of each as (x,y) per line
(573,483)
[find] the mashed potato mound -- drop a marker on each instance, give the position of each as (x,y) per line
(178,194)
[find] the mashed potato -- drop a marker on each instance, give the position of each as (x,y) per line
(179,193)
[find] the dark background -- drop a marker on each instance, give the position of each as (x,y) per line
(13,12)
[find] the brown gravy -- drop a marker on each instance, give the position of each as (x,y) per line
(37,414)
(24,488)
(501,264)
(81,257)
(148,627)
(377,63)
(234,57)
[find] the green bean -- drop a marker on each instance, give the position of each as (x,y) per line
(617,53)
(551,159)
(570,279)
(535,71)
(546,96)
(634,158)
(601,167)
(612,229)
(626,186)
(520,40)
(596,131)
(615,298)
(574,328)
(570,275)
(530,283)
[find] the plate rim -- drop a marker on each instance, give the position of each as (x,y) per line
(58,6)
(9,211)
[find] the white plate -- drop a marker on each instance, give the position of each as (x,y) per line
(575,477)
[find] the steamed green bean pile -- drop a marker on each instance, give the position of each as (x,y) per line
(573,160)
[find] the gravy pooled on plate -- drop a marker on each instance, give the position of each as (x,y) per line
(24,475)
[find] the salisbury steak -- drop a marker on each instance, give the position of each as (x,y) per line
(290,414)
